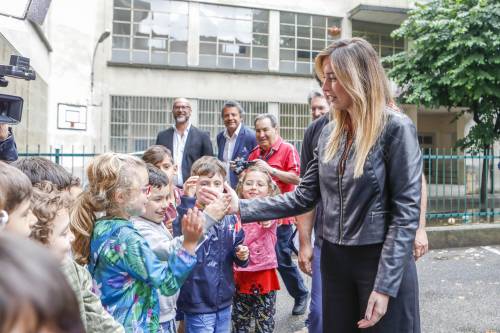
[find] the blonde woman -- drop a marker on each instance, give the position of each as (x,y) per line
(367,173)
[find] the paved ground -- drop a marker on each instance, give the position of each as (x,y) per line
(459,293)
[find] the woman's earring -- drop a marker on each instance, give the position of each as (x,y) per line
(4,218)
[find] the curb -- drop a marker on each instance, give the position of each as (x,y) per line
(463,236)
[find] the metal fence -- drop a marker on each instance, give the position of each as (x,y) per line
(454,181)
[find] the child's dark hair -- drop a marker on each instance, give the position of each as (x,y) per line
(272,186)
(208,166)
(15,187)
(46,202)
(157,178)
(33,290)
(156,154)
(40,169)
(107,174)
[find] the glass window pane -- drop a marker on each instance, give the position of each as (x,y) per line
(122,3)
(242,63)
(260,27)
(319,21)
(159,58)
(258,64)
(287,18)
(303,55)
(318,44)
(208,48)
(287,30)
(140,16)
(142,30)
(178,46)
(304,68)
(121,15)
(260,15)
(386,51)
(304,32)
(319,33)
(141,44)
(400,43)
(121,28)
(332,21)
(303,19)
(260,52)
(303,43)
(178,59)
(287,42)
(225,62)
(179,7)
(386,40)
(208,60)
(120,56)
(159,44)
(261,40)
(144,5)
(140,57)
(121,42)
(287,55)
(287,66)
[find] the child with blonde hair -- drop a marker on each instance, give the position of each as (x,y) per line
(256,284)
(127,274)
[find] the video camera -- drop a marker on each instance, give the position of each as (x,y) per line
(11,107)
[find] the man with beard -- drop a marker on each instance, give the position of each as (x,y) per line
(186,142)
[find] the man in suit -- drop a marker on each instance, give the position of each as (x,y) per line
(186,142)
(237,140)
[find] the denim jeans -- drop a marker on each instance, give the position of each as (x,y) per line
(215,322)
(315,317)
(286,267)
(168,326)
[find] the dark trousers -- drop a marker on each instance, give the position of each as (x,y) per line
(286,267)
(260,308)
(348,276)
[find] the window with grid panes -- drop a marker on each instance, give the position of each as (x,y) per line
(150,32)
(233,37)
(293,120)
(302,36)
(210,118)
(137,120)
(383,43)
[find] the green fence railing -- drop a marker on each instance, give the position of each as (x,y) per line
(461,188)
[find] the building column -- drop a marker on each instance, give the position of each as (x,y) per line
(346,28)
(274,41)
(193,34)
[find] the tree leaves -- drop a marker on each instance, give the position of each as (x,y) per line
(453,61)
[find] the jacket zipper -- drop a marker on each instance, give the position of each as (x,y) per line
(341,170)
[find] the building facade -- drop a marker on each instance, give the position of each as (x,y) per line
(117,94)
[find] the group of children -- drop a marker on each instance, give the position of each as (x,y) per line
(141,254)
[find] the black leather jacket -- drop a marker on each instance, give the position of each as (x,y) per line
(381,206)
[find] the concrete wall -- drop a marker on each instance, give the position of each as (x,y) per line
(32,130)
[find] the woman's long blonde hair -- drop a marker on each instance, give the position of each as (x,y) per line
(107,174)
(357,67)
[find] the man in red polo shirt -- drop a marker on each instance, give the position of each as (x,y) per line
(282,161)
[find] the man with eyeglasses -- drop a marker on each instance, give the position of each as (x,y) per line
(186,142)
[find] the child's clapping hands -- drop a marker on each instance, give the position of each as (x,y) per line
(242,252)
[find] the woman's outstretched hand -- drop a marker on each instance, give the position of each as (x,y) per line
(375,310)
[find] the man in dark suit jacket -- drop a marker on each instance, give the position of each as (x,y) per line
(237,140)
(186,142)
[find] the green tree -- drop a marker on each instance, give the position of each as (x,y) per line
(453,60)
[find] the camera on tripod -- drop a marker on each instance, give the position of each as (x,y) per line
(11,107)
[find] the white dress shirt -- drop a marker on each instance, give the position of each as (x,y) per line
(178,145)
(229,147)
